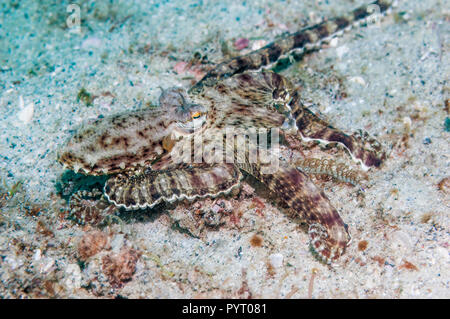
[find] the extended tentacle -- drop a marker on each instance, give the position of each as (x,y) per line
(295,190)
(185,182)
(307,39)
(332,168)
(360,145)
(327,231)
(266,100)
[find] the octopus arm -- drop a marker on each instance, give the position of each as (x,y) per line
(361,146)
(327,231)
(185,182)
(305,40)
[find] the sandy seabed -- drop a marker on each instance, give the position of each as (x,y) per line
(389,78)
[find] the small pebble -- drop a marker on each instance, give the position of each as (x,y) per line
(358,79)
(258,44)
(340,51)
(13,263)
(73,277)
(216,209)
(444,185)
(180,67)
(276,260)
(47,267)
(407,124)
(241,43)
(26,114)
(334,42)
(91,42)
(401,240)
(37,255)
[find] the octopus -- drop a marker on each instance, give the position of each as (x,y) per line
(200,142)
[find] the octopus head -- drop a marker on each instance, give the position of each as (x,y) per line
(189,117)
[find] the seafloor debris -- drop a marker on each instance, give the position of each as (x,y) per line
(362,245)
(276,260)
(407,265)
(444,185)
(314,273)
(85,97)
(256,240)
(201,215)
(92,243)
(241,43)
(120,267)
(189,69)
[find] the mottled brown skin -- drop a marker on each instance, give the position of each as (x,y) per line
(359,144)
(305,40)
(232,97)
(108,145)
(127,140)
(182,182)
(86,209)
(296,189)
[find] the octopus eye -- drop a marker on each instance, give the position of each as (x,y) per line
(196,115)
